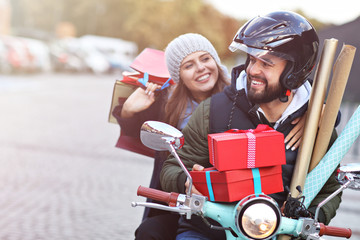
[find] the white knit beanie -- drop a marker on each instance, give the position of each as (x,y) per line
(181,47)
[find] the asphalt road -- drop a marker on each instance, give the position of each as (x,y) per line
(61,176)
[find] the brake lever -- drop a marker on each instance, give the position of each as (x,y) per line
(183,210)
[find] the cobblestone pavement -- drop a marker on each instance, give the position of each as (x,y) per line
(61,176)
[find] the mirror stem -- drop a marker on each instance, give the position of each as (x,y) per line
(173,152)
(329,198)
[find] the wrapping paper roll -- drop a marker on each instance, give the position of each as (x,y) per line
(317,98)
(318,177)
(341,73)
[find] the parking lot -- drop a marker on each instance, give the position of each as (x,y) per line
(62,177)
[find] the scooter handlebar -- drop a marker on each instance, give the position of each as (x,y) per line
(158,195)
(334,231)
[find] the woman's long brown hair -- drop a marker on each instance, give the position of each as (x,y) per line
(176,105)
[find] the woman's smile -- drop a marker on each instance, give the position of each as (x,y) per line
(203,78)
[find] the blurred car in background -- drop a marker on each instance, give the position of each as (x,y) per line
(64,56)
(95,54)
(40,54)
(5,65)
(17,55)
(119,53)
(95,61)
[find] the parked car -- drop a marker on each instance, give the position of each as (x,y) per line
(119,53)
(95,61)
(99,55)
(18,55)
(40,54)
(5,66)
(64,56)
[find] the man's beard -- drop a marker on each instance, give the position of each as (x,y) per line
(269,94)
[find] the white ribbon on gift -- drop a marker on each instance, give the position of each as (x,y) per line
(251,150)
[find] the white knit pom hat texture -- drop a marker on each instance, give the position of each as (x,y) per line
(182,46)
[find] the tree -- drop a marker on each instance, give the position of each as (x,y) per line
(149,23)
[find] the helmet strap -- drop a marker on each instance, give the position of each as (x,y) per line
(284,97)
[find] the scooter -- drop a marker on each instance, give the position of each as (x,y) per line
(257,216)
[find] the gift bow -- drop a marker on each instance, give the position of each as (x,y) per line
(252,141)
(259,128)
(145,79)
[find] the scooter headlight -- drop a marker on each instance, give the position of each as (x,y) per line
(258,217)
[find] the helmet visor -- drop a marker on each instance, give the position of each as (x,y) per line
(262,54)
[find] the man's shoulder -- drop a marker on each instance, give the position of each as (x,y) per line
(202,111)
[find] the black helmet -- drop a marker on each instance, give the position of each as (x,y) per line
(284,34)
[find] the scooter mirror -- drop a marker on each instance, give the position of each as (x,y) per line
(158,135)
(163,137)
(350,172)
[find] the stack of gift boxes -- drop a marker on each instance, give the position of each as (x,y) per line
(245,162)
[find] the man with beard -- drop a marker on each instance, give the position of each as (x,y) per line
(271,88)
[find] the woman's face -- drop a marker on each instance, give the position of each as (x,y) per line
(199,73)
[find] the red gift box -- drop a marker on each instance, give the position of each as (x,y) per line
(152,61)
(239,149)
(234,185)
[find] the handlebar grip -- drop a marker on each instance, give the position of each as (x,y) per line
(158,195)
(334,231)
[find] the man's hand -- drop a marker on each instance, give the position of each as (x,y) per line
(196,167)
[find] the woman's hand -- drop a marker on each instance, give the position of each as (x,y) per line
(196,167)
(139,100)
(293,139)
